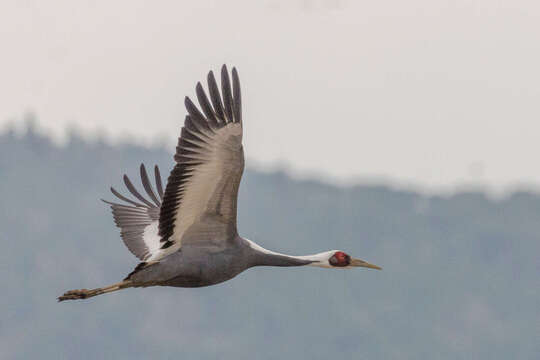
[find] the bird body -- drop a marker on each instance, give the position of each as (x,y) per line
(186,235)
(197,266)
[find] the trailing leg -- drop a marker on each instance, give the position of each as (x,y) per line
(86,293)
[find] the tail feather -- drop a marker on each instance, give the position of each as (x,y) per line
(86,293)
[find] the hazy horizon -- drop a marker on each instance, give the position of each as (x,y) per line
(30,122)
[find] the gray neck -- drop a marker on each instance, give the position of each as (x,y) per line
(262,259)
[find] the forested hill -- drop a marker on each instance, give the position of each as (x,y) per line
(461,276)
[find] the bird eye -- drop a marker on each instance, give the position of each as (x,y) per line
(340,259)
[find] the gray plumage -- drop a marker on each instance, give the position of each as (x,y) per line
(186,236)
(133,219)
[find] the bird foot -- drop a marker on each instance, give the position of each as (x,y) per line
(74,295)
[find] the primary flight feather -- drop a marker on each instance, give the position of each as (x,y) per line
(186,235)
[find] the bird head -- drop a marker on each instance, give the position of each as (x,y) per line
(340,259)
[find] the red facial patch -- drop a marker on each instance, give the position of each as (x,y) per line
(340,259)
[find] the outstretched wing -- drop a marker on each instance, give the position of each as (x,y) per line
(138,222)
(199,205)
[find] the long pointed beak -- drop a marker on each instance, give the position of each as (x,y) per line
(362,263)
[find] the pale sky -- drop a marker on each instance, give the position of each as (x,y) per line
(429,93)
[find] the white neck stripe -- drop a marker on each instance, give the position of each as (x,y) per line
(319,260)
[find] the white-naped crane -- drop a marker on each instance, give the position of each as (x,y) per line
(186,236)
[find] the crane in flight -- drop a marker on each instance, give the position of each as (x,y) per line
(186,235)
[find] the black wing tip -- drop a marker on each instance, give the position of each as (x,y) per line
(159,185)
(136,193)
(194,112)
(225,105)
(226,94)
(225,68)
(237,96)
(142,170)
(224,71)
(128,183)
(190,106)
(147,184)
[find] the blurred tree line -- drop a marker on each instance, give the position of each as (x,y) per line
(460,279)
